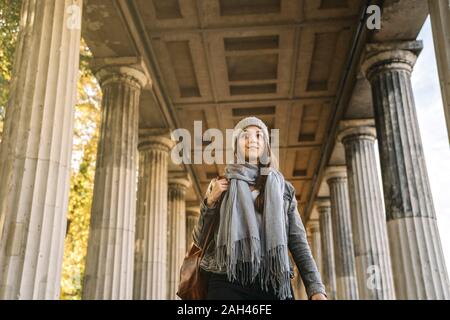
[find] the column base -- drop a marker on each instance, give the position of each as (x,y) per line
(411,240)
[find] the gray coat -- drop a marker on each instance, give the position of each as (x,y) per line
(297,242)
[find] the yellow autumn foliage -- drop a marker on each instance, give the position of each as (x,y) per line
(86,130)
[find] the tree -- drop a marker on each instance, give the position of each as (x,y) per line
(86,131)
(9,27)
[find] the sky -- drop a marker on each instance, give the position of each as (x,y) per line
(433,130)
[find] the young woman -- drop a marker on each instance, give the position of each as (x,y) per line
(256,224)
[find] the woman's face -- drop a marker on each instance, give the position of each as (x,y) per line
(251,144)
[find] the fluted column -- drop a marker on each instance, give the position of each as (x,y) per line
(326,235)
(373,261)
(36,149)
(418,263)
(344,254)
(109,264)
(151,255)
(298,286)
(313,231)
(440,21)
(192,215)
(176,234)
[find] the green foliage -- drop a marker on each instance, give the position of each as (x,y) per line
(9,28)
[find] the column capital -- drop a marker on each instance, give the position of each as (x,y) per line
(193,211)
(351,123)
(323,203)
(111,69)
(313,226)
(151,139)
(123,74)
(390,56)
(335,172)
(177,182)
(363,132)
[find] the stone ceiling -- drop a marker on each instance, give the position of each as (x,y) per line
(274,59)
(217,61)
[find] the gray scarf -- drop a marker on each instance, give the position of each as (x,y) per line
(241,249)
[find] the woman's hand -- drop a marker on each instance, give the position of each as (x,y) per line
(319,296)
(218,188)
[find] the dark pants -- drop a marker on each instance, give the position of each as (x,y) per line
(219,288)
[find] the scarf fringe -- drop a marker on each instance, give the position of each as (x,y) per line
(237,260)
(274,271)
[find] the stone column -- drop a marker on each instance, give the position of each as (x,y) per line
(326,234)
(109,264)
(373,261)
(344,254)
(313,231)
(176,235)
(298,286)
(192,215)
(302,294)
(418,262)
(440,21)
(150,268)
(36,149)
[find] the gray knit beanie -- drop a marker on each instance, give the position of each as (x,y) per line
(244,123)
